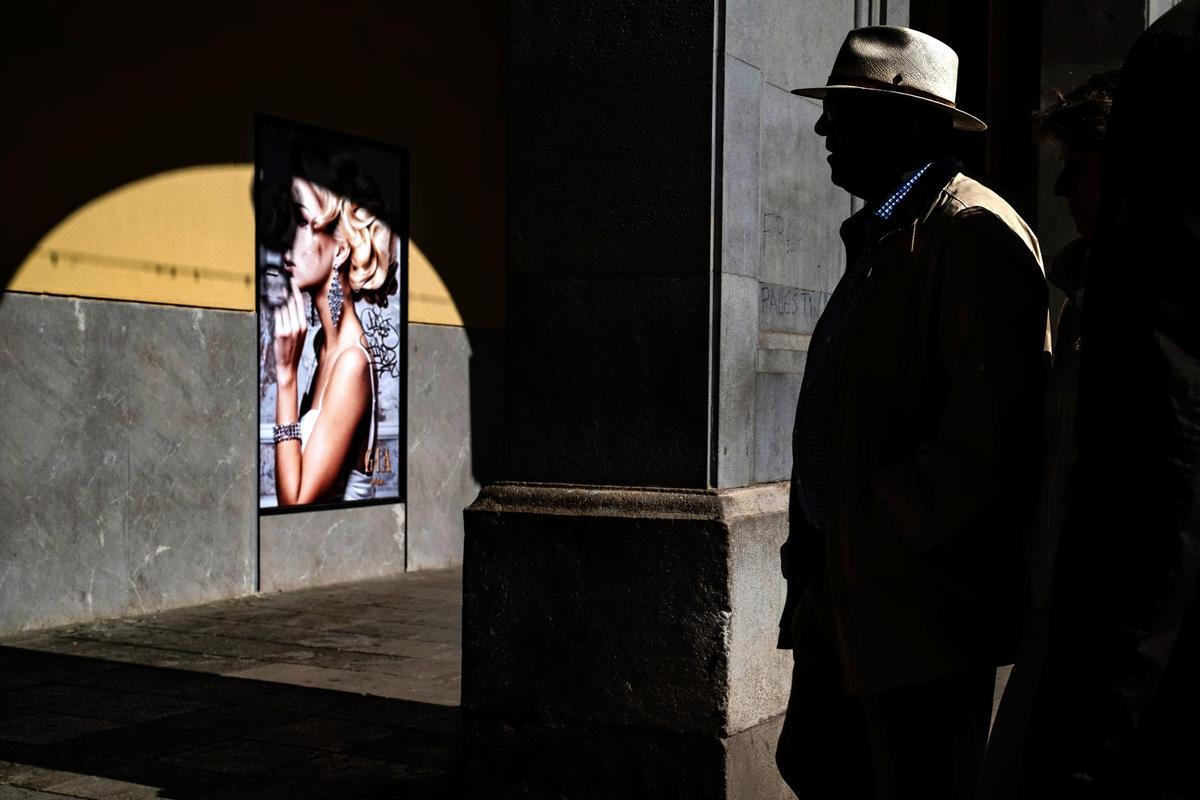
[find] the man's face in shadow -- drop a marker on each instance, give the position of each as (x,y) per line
(1079,184)
(870,139)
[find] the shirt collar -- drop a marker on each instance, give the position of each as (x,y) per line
(884,211)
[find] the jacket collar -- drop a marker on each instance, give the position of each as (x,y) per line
(912,200)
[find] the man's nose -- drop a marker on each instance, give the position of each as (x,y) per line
(822,126)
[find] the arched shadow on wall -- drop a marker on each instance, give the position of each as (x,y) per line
(98,98)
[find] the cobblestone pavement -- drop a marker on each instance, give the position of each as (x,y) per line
(338,692)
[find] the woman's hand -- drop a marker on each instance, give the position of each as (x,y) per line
(291,325)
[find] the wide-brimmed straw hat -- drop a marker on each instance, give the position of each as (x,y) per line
(899,62)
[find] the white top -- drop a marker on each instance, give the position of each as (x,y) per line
(359,485)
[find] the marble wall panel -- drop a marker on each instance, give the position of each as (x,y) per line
(313,548)
(897,12)
(192,444)
(741,220)
(121,435)
(454,429)
(735,395)
(775,412)
(744,30)
(800,39)
(802,210)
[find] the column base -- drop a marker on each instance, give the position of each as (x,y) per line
(512,759)
(621,642)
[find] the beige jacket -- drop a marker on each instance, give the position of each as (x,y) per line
(934,445)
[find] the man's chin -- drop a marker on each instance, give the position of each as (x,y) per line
(839,179)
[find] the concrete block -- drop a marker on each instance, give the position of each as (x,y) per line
(578,608)
(608,379)
(536,759)
(595,30)
(759,673)
(610,164)
(633,673)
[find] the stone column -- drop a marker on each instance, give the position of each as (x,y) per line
(672,240)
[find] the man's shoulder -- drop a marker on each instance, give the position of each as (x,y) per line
(964,198)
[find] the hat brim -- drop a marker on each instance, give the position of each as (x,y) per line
(962,120)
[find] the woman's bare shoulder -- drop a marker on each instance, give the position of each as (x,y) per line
(349,377)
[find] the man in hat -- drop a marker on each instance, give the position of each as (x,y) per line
(916,448)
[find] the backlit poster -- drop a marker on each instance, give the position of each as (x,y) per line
(331,229)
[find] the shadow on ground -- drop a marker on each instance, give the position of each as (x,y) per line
(86,727)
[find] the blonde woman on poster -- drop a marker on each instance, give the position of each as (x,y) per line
(341,251)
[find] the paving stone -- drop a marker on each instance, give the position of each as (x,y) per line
(256,789)
(173,780)
(240,757)
(347,773)
(315,702)
(138,707)
(323,733)
(16,793)
(443,720)
(133,678)
(214,690)
(400,630)
(13,712)
(57,696)
(385,711)
(136,742)
(432,785)
(416,747)
(245,698)
(48,728)
(385,665)
(94,787)
(431,690)
(29,776)
(20,668)
(120,653)
(233,720)
(48,757)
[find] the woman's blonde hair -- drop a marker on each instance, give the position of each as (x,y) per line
(357,219)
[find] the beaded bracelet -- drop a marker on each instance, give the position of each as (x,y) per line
(285,432)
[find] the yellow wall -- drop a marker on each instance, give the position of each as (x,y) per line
(184,238)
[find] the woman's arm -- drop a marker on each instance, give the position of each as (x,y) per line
(305,477)
(328,452)
(291,326)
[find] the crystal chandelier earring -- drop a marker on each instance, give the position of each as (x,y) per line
(335,300)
